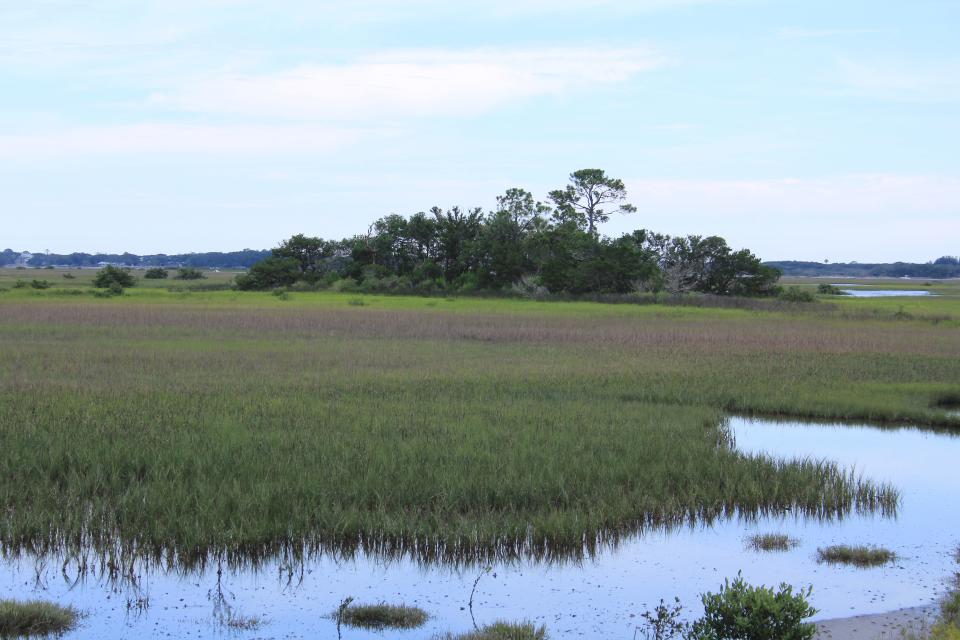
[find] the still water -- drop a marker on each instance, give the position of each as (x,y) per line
(602,597)
(884,293)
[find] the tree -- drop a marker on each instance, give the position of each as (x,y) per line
(156,273)
(310,254)
(110,275)
(457,235)
(270,273)
(582,200)
(504,250)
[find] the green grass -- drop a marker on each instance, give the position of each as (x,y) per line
(35,618)
(858,556)
(185,423)
(383,616)
(771,542)
(502,631)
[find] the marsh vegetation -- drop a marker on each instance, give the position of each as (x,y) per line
(862,556)
(180,429)
(20,619)
(771,542)
(192,427)
(382,616)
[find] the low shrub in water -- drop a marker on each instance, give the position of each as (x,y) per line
(743,612)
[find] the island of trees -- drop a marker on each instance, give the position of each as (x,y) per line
(552,246)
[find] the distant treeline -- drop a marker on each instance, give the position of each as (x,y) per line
(522,245)
(945,267)
(213,259)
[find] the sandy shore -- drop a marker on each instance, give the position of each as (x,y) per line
(881,626)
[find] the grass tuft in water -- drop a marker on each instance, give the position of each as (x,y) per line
(35,618)
(382,616)
(859,556)
(502,631)
(771,542)
(244,623)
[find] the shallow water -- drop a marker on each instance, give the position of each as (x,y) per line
(884,293)
(598,598)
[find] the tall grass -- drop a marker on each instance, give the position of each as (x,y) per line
(180,429)
(20,619)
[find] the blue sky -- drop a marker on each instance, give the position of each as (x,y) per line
(805,130)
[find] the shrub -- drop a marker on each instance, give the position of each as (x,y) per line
(269,273)
(156,273)
(113,275)
(39,284)
(745,612)
(664,621)
(68,276)
(189,273)
(20,284)
(829,290)
(796,294)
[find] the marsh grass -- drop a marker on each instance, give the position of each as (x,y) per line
(473,430)
(35,618)
(771,542)
(502,631)
(243,623)
(382,616)
(859,556)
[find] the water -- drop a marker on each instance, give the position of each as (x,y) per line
(884,293)
(598,598)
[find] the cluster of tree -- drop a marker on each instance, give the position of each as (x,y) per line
(210,260)
(945,267)
(555,246)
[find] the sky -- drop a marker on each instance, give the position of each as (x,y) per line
(808,129)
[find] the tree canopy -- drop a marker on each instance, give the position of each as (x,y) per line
(522,243)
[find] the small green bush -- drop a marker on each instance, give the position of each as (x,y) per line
(20,284)
(829,290)
(743,612)
(189,273)
(796,294)
(68,276)
(39,284)
(156,273)
(110,275)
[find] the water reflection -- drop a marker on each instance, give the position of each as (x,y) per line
(600,595)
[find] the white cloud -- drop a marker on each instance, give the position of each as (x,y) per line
(410,83)
(152,138)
